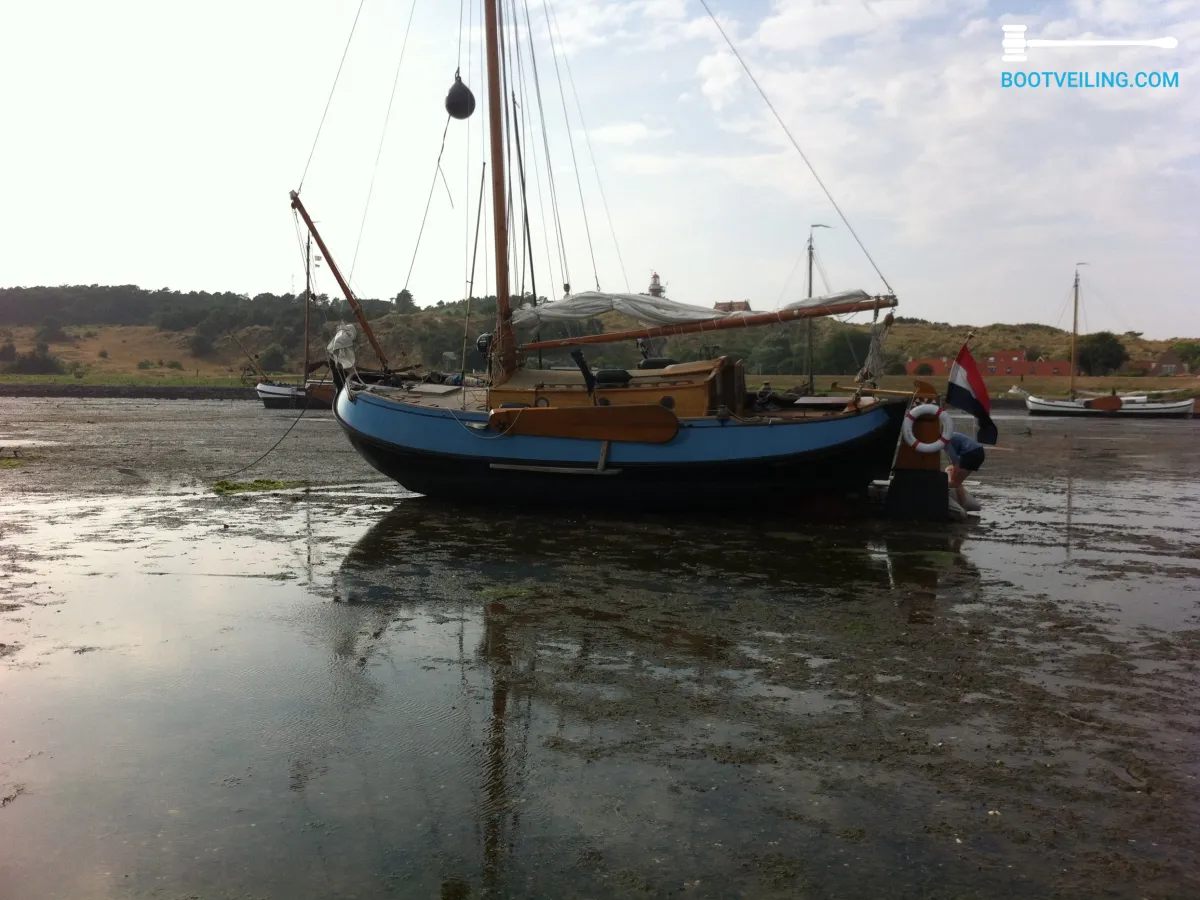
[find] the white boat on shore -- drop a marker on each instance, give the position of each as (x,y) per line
(311,394)
(1133,406)
(1128,407)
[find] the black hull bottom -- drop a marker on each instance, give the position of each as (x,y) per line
(294,403)
(846,471)
(1129,417)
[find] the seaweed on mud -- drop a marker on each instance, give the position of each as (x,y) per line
(259,484)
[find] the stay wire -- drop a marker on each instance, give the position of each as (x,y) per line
(592,155)
(560,240)
(821,271)
(560,245)
(531,148)
(428,200)
(519,118)
(383,135)
(795,143)
(571,143)
(461,5)
(338,75)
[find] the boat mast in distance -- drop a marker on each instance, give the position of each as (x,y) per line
(307,303)
(1075,334)
(337,274)
(808,326)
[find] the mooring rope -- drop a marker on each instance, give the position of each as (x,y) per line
(273,446)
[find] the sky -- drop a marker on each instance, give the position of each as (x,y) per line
(155,144)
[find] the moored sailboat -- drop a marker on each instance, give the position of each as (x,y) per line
(1139,406)
(310,393)
(686,434)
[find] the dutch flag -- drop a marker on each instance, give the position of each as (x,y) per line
(967,391)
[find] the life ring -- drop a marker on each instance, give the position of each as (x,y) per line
(944,420)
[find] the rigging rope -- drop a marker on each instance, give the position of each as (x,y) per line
(471,281)
(564,267)
(564,274)
(432,187)
(796,144)
(571,142)
(383,136)
(338,75)
(821,271)
(520,116)
(531,147)
(592,155)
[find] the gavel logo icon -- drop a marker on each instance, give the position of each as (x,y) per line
(1015,43)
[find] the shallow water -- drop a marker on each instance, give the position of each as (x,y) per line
(351,692)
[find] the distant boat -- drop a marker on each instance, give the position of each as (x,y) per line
(1139,406)
(311,394)
(1128,407)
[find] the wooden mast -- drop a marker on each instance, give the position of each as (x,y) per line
(1074,336)
(337,274)
(504,354)
(767,318)
(307,304)
(808,326)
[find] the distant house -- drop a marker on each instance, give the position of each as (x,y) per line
(1169,364)
(731,306)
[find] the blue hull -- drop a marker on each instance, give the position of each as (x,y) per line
(710,464)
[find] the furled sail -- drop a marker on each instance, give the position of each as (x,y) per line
(649,310)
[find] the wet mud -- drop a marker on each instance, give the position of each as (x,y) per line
(343,690)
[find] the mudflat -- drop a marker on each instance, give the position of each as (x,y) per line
(340,689)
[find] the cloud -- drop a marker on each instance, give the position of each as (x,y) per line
(626,133)
(719,75)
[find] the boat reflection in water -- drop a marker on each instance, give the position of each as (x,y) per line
(593,707)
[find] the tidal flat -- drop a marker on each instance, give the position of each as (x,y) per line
(340,689)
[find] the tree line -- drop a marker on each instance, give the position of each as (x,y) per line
(427,334)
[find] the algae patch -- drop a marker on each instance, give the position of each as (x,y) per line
(258,484)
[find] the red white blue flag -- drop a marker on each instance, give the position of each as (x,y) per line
(967,392)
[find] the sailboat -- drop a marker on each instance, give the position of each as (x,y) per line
(309,394)
(1138,406)
(687,434)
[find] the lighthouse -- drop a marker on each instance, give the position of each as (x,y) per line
(656,288)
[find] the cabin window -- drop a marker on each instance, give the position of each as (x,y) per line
(1008,371)
(1168,369)
(991,359)
(992,369)
(1056,370)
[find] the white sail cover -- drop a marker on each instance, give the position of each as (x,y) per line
(650,310)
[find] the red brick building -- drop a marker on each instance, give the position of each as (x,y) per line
(995,362)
